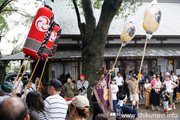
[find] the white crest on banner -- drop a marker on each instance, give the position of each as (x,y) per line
(42,23)
(53,36)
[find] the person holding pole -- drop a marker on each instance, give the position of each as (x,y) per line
(132,87)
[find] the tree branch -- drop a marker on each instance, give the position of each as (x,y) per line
(5,4)
(80,25)
(5,10)
(89,17)
(109,10)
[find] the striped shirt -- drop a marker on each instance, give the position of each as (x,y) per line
(56,106)
(44,116)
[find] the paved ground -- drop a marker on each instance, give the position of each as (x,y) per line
(148,114)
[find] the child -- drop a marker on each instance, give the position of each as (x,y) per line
(123,110)
(153,83)
(166,99)
(114,90)
(147,87)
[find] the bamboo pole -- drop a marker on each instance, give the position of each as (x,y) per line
(139,76)
(42,74)
(31,75)
(22,75)
(19,71)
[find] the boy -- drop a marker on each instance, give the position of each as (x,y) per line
(114,90)
(123,111)
(166,96)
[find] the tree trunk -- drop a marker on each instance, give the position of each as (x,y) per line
(94,43)
(2,71)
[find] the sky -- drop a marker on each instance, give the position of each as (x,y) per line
(20,31)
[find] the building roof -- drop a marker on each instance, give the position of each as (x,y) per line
(127,51)
(66,17)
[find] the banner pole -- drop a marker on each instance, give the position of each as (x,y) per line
(42,74)
(139,76)
(31,76)
(19,71)
(22,75)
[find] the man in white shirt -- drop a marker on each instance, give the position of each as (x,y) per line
(18,88)
(119,81)
(173,76)
(55,104)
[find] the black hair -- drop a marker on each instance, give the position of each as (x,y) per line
(164,88)
(118,73)
(121,96)
(134,76)
(103,74)
(101,117)
(35,101)
(13,108)
(130,71)
(178,76)
(33,115)
(57,89)
(69,78)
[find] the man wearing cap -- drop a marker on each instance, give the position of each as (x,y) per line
(6,89)
(55,104)
(82,85)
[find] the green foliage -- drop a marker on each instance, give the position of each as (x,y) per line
(16,50)
(11,8)
(14,67)
(127,8)
(5,12)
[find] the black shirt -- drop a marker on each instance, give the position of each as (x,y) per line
(178,88)
(165,97)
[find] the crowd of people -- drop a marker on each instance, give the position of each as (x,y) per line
(14,105)
(151,88)
(31,106)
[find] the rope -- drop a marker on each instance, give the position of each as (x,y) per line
(31,75)
(42,74)
(19,72)
(22,75)
(140,68)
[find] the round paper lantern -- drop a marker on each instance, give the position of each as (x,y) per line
(128,32)
(152,17)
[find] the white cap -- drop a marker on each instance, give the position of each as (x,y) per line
(80,102)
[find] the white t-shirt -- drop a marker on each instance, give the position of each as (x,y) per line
(147,85)
(119,80)
(19,87)
(56,106)
(114,88)
(174,78)
(169,86)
